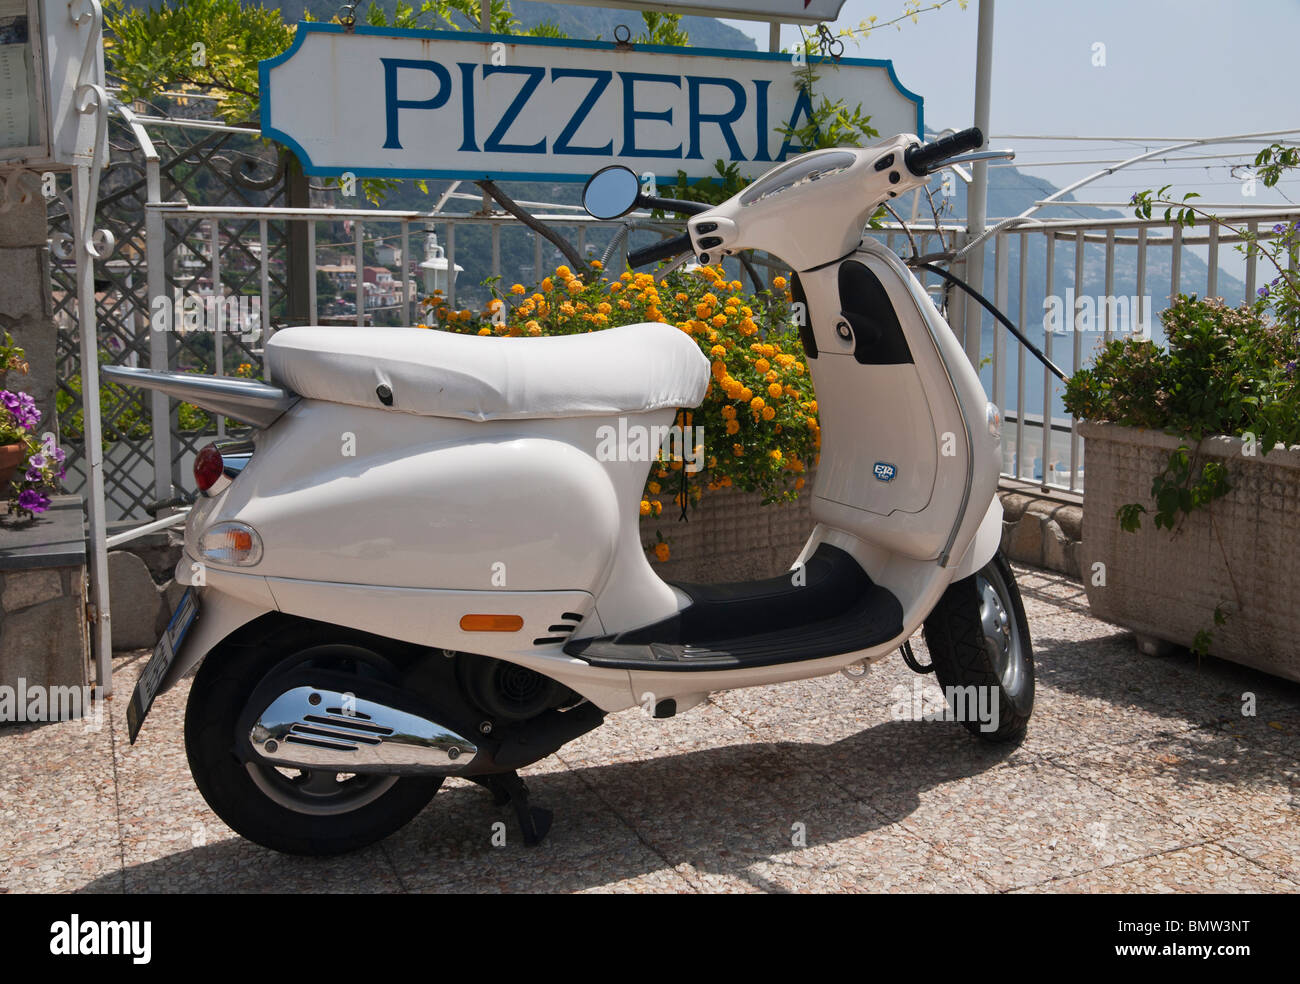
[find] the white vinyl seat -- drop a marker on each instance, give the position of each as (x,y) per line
(629,369)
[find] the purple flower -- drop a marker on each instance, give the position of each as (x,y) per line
(1290,368)
(1279,228)
(1262,292)
(32,501)
(10,400)
(34,475)
(59,455)
(37,460)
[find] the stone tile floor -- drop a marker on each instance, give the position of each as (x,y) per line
(1138,775)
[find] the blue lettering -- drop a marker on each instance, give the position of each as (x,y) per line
(533,76)
(392,104)
(760,119)
(631,114)
(467,104)
(724,120)
(601,80)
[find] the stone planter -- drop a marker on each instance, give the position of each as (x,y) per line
(1242,553)
(730,536)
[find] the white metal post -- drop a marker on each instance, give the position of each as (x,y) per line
(977,192)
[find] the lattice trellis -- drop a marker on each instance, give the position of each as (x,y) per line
(215,169)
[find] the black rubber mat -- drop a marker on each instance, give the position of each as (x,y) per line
(836,609)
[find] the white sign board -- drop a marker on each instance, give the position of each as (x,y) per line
(382,102)
(41,54)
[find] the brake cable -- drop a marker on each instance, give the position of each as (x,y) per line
(909,658)
(958,282)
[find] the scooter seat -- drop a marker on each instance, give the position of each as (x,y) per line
(629,369)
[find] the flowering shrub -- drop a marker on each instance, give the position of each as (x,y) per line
(759,414)
(42,463)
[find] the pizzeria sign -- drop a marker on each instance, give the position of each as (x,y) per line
(387,102)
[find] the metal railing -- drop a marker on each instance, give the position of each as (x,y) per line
(1040,259)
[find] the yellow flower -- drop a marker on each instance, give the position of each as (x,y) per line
(519,289)
(774,390)
(733,426)
(728,412)
(762,365)
(657,507)
(681,298)
(768,413)
(566,309)
(563,272)
(645,507)
(661,551)
(757,403)
(547,285)
(798,483)
(775,454)
(597,265)
(574,286)
(625,276)
(485,330)
(779,283)
(719,320)
(738,451)
(533,328)
(746,394)
(719,370)
(495,305)
(600,319)
(465,315)
(653,488)
(624,305)
(717,351)
(603,307)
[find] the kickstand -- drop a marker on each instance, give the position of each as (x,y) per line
(507,787)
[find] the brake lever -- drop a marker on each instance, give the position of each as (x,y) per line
(664,271)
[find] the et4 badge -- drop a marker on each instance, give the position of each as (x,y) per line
(884,471)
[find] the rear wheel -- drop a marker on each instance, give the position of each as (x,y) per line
(298,811)
(978,638)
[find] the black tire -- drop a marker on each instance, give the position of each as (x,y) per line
(955,634)
(270,806)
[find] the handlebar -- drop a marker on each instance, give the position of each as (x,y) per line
(663,250)
(923,160)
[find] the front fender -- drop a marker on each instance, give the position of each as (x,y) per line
(988,538)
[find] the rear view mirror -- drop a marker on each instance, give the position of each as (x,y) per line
(610,192)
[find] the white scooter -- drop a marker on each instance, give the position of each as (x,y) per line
(419,566)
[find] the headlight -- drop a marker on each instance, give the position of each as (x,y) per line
(994,420)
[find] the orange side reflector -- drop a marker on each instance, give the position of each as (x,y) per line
(491,623)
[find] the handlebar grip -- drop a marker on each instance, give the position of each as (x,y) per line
(663,250)
(923,160)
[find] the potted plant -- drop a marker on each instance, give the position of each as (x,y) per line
(30,464)
(1191,523)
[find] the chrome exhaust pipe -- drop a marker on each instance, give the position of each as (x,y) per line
(312,727)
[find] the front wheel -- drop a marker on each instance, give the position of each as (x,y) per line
(983,658)
(298,811)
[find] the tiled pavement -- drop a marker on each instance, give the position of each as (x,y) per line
(1138,774)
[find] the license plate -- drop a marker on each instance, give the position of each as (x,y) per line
(164,654)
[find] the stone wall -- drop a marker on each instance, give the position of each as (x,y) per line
(43,632)
(142,591)
(1042,532)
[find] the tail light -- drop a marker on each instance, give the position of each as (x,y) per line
(219,464)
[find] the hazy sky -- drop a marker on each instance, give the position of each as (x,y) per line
(1173,68)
